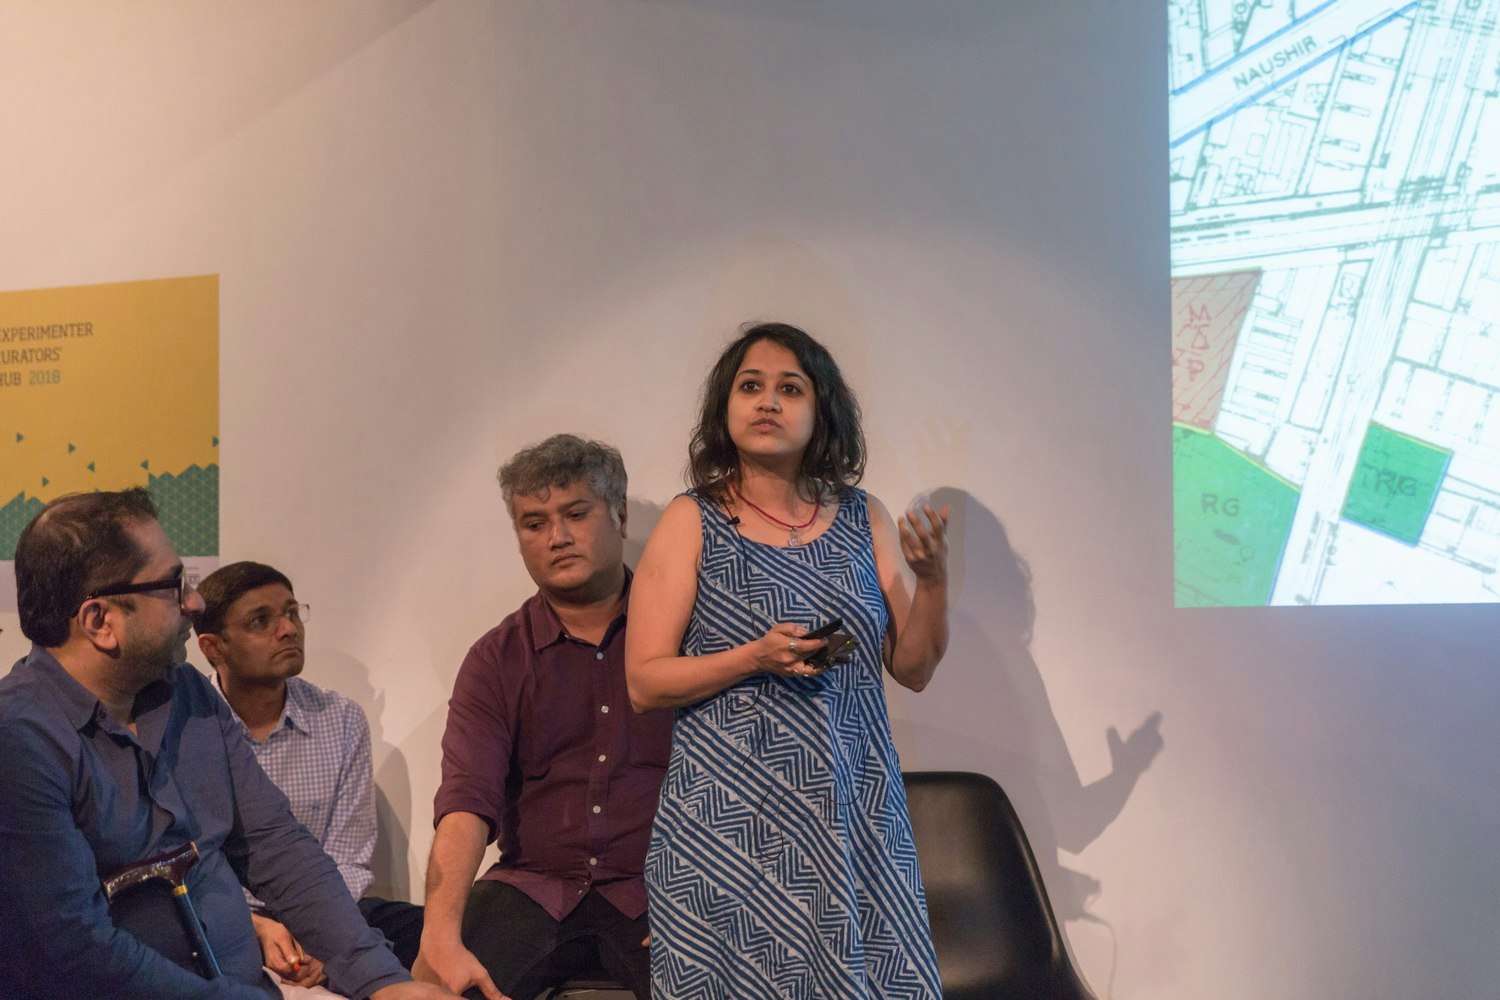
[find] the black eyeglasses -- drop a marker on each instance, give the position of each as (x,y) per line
(178,581)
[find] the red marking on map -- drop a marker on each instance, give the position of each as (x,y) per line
(1208,312)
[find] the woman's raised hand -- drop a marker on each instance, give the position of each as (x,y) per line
(924,542)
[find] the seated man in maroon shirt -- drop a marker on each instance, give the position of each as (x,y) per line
(543,753)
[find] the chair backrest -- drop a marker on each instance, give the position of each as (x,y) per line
(992,923)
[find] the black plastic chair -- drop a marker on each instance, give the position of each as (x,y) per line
(593,989)
(992,923)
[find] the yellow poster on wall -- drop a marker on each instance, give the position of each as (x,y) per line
(108,386)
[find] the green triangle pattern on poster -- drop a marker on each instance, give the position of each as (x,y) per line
(187,506)
(14,516)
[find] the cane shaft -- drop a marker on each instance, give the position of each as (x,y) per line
(201,948)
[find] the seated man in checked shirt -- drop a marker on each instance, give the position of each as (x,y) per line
(312,743)
(543,754)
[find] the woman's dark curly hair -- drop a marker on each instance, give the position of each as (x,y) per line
(835,457)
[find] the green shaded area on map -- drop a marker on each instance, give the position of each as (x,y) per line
(1231,517)
(188,505)
(1395,483)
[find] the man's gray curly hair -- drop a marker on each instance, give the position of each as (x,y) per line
(562,460)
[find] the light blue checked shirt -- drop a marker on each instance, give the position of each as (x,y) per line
(318,754)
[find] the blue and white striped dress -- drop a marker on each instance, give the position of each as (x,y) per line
(781,863)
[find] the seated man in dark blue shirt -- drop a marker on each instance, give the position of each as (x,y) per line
(115,751)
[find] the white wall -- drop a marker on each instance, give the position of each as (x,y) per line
(447,229)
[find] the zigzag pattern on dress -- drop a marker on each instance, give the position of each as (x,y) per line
(782,862)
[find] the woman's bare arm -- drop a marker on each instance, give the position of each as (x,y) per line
(662,594)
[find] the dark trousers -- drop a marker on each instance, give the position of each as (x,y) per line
(401,923)
(526,951)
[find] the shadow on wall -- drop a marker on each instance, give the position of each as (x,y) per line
(640,517)
(995,709)
(393,810)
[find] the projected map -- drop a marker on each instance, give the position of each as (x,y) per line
(1335,197)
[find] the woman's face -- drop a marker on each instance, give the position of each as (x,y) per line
(772,404)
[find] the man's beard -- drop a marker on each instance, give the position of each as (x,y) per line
(150,662)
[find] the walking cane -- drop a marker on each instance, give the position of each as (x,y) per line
(171,868)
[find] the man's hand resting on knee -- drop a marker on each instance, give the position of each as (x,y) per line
(455,968)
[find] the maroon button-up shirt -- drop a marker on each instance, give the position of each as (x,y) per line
(543,745)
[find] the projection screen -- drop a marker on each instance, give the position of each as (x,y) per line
(1335,217)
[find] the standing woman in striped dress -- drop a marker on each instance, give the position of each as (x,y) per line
(781,864)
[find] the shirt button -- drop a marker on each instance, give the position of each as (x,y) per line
(604,709)
(593,861)
(597,808)
(598,656)
(603,757)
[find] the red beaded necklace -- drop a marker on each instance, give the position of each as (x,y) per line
(795,529)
